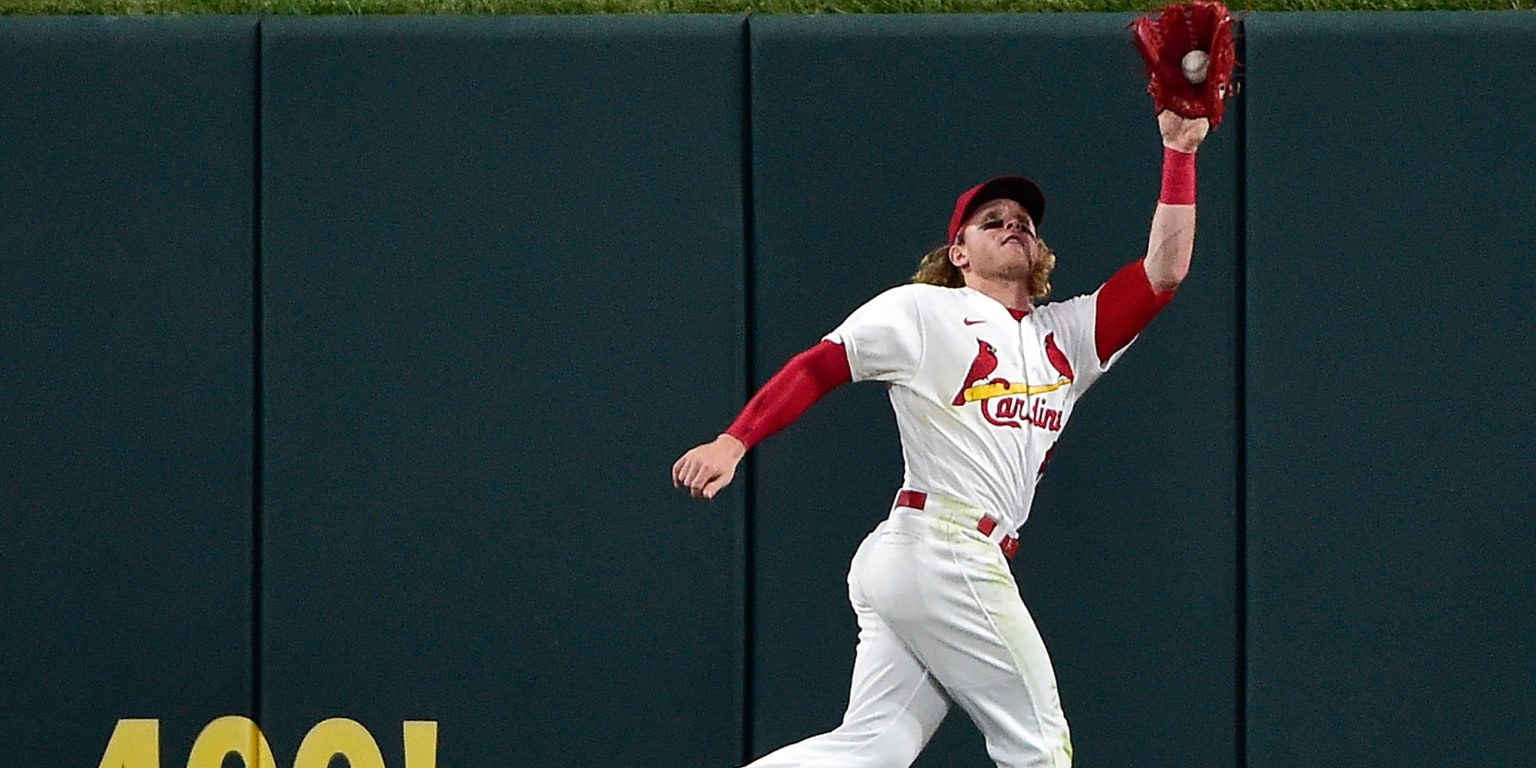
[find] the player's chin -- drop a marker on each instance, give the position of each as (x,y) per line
(1020,253)
(1019,269)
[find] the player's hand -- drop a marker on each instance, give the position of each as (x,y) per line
(1182,133)
(707,468)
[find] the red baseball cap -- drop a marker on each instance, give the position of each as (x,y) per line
(1015,188)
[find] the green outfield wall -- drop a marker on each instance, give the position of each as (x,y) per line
(346,359)
(126,386)
(1389,318)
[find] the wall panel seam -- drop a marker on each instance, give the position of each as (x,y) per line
(257,380)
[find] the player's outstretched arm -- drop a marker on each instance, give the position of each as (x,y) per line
(707,468)
(1171,242)
(1134,295)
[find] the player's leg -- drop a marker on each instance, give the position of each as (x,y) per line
(1017,709)
(894,705)
(977,638)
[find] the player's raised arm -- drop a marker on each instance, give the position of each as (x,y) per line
(1172,239)
(1189,57)
(1190,62)
(707,468)
(1134,295)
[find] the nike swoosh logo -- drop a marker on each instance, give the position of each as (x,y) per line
(969,321)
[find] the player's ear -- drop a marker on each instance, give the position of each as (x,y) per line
(958,256)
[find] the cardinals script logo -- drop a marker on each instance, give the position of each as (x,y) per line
(1005,403)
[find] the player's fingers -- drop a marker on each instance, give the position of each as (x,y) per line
(685,474)
(680,471)
(687,468)
(702,480)
(690,476)
(716,483)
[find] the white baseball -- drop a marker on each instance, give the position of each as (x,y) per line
(1194,64)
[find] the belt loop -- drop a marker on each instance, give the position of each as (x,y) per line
(1010,546)
(989,526)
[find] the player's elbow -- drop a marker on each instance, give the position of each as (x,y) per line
(1166,274)
(1169,281)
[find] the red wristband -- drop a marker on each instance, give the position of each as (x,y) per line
(1178,177)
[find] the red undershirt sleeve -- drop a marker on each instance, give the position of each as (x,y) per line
(796,387)
(1127,302)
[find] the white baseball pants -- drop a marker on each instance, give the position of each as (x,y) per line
(940,621)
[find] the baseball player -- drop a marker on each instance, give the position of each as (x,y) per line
(982,379)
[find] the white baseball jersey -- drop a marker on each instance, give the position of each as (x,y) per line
(980,398)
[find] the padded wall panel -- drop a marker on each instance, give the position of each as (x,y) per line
(503,269)
(865,129)
(125,382)
(1390,410)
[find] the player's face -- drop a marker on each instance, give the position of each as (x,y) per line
(998,242)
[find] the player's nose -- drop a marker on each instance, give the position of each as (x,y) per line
(1016,230)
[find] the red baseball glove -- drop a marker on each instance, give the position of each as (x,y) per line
(1164,37)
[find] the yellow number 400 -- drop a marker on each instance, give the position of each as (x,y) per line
(136,744)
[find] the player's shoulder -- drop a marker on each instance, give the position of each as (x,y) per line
(918,295)
(929,289)
(918,289)
(932,295)
(1064,310)
(1068,304)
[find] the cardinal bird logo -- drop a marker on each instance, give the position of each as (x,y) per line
(1057,358)
(1012,404)
(982,367)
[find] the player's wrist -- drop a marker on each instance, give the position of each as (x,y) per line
(735,444)
(1178,177)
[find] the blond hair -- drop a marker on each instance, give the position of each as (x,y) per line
(935,268)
